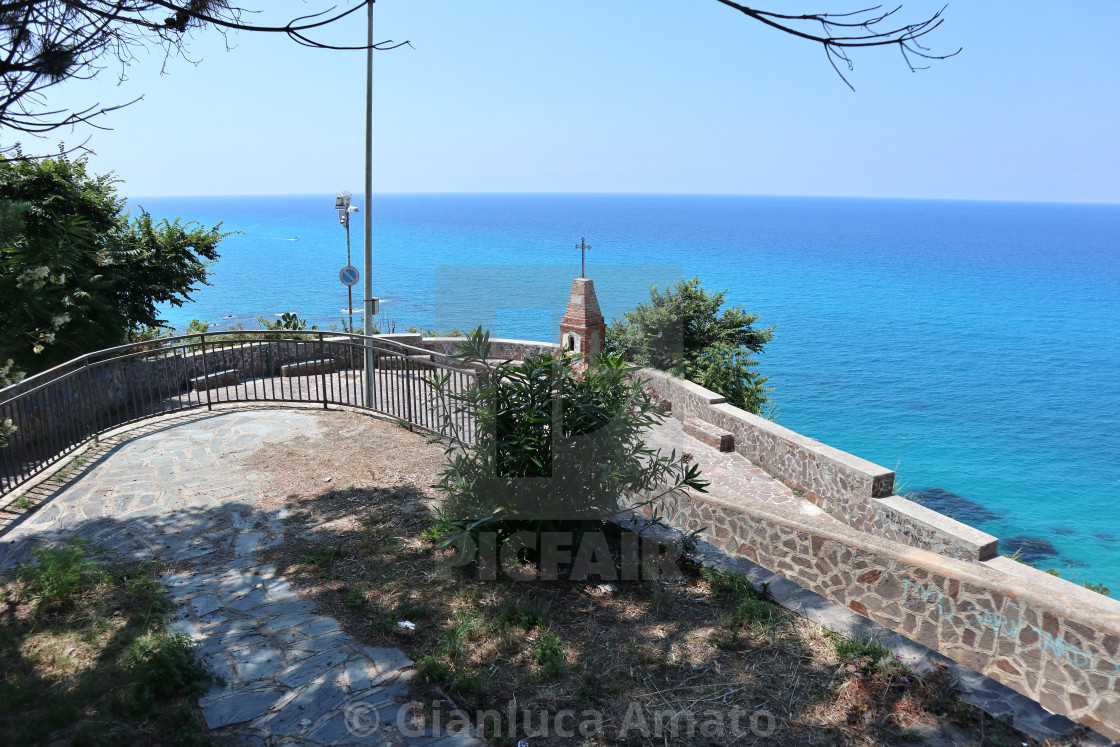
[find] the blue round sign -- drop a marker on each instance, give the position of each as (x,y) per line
(348,275)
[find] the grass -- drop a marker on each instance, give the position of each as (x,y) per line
(21,504)
(85,658)
(320,557)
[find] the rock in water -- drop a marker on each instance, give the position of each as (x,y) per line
(951,504)
(1030,549)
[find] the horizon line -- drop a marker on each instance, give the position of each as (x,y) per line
(637,194)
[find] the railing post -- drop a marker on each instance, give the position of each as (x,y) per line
(206,374)
(322,373)
(86,405)
(408,390)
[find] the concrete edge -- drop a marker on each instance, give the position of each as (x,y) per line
(983,545)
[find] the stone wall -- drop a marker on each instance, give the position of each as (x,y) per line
(851,489)
(1047,638)
(500,348)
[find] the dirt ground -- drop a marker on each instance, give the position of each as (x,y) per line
(642,657)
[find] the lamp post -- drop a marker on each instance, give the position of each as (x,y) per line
(367,219)
(344,208)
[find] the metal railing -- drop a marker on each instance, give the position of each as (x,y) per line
(59,410)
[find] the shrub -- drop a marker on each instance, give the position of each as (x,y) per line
(683,331)
(57,573)
(167,665)
(548,444)
(549,653)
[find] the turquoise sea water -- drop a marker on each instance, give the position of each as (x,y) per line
(974,347)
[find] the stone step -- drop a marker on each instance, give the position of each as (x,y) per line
(216,379)
(709,434)
(398,362)
(307,368)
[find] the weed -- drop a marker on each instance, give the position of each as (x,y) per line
(57,573)
(1099,588)
(434,669)
(754,613)
(411,609)
(734,585)
(868,654)
(522,613)
(355,598)
(66,471)
(319,556)
(167,665)
(432,439)
(21,503)
(454,644)
(548,652)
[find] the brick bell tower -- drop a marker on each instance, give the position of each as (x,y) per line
(582,328)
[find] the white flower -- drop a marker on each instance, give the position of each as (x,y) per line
(47,337)
(59,320)
(37,349)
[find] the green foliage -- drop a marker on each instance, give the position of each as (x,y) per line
(167,665)
(76,273)
(319,556)
(734,585)
(355,598)
(683,330)
(754,612)
(434,669)
(21,504)
(57,573)
(548,651)
(289,321)
(522,613)
(868,654)
(1099,588)
(548,446)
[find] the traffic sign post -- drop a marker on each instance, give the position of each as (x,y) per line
(349,277)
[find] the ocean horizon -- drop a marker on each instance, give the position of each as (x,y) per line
(970,346)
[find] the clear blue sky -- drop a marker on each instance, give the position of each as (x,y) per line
(623,96)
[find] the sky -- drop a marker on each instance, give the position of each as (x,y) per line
(601,96)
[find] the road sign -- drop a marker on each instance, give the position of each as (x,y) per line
(348,275)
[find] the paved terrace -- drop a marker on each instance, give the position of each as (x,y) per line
(180,490)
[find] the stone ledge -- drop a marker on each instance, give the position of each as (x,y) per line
(709,435)
(916,524)
(307,368)
(216,379)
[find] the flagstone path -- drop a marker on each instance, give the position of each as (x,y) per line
(179,491)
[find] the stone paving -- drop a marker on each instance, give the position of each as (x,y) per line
(733,478)
(177,491)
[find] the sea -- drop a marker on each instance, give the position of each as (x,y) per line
(973,347)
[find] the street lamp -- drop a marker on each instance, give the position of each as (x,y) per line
(344,208)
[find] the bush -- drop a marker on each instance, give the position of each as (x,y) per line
(548,652)
(167,665)
(57,573)
(548,445)
(683,331)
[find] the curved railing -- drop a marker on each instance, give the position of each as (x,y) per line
(61,409)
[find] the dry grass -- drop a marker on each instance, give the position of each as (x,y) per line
(74,669)
(630,651)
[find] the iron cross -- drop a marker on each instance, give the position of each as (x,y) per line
(583,247)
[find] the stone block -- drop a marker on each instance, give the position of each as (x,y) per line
(308,368)
(709,435)
(228,377)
